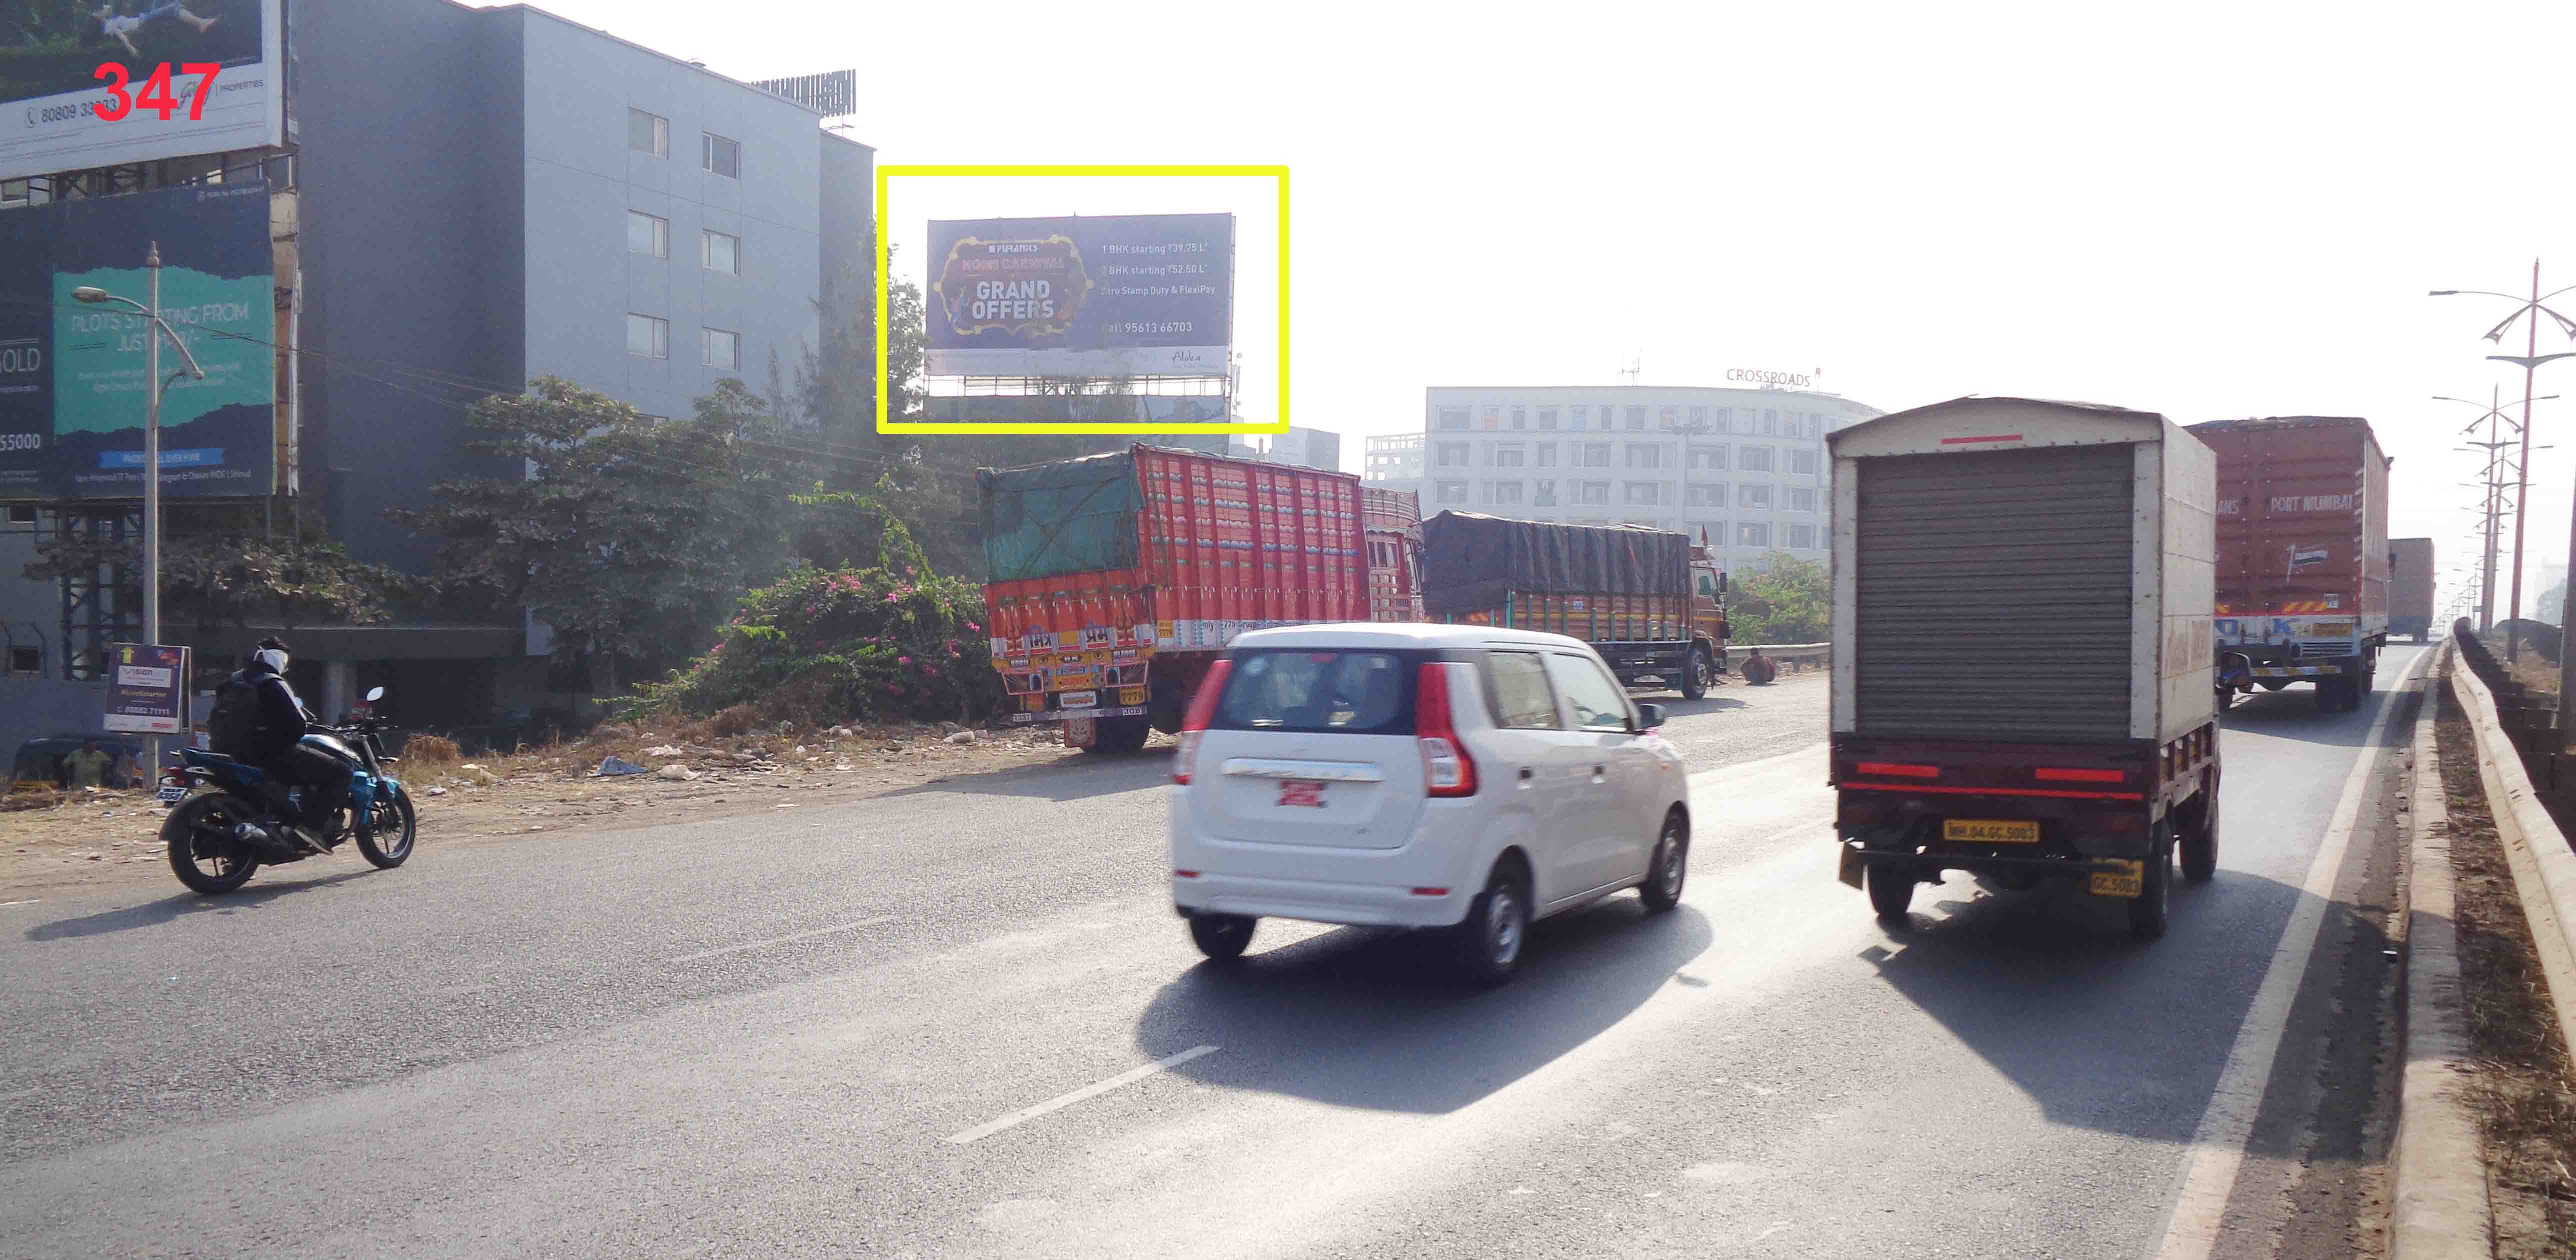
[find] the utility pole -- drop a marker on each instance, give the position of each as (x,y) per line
(2530,359)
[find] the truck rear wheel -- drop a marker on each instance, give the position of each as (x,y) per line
(2200,842)
(1120,735)
(1697,674)
(1891,889)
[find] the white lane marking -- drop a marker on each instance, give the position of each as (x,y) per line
(2218,1147)
(1062,1101)
(780,940)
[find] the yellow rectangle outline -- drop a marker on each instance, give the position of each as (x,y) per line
(884,281)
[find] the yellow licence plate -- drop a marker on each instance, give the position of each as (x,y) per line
(2130,882)
(1989,831)
(1131,695)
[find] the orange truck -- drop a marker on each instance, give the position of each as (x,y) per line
(1118,579)
(1394,522)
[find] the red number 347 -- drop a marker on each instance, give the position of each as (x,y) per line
(156,95)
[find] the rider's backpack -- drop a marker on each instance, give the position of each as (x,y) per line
(234,725)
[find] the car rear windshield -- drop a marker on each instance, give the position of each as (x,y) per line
(1304,690)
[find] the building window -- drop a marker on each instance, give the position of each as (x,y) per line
(646,234)
(1452,455)
(1452,492)
(1520,417)
(1752,534)
(648,133)
(1594,454)
(1705,494)
(1453,417)
(1637,419)
(648,337)
(1672,417)
(1546,495)
(1802,537)
(1725,420)
(1547,417)
(722,156)
(1593,492)
(724,349)
(26,660)
(1510,457)
(1802,499)
(1756,497)
(1770,423)
(1754,459)
(1708,457)
(1503,492)
(1645,455)
(1547,454)
(1803,462)
(1579,418)
(1699,417)
(720,252)
(1644,493)
(1493,416)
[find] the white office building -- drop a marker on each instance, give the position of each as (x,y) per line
(1747,466)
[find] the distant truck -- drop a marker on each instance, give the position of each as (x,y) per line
(2410,587)
(2021,675)
(2303,556)
(1118,579)
(1393,519)
(1630,592)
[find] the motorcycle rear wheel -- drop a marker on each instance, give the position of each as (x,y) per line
(387,842)
(203,853)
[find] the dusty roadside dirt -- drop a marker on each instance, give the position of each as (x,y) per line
(111,836)
(2525,1088)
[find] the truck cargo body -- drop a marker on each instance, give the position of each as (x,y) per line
(1393,519)
(1626,590)
(2303,556)
(2022,675)
(2410,587)
(1118,578)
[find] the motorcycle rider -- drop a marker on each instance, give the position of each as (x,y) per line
(276,745)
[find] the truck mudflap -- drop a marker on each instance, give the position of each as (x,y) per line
(2104,876)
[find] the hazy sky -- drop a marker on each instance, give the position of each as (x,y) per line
(2206,210)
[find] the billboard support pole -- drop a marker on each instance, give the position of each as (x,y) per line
(152,487)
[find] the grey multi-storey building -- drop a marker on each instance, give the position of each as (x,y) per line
(1746,466)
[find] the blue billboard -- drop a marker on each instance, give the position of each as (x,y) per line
(1088,296)
(72,380)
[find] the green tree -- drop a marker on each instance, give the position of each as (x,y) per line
(632,537)
(1789,602)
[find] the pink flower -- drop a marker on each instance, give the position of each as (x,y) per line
(903,660)
(890,597)
(972,626)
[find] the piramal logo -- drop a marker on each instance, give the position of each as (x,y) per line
(1031,288)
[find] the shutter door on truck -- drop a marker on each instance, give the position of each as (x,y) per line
(1993,595)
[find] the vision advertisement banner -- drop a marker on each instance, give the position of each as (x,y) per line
(72,385)
(148,690)
(1114,295)
(51,52)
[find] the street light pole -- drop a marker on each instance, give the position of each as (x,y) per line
(154,329)
(2530,359)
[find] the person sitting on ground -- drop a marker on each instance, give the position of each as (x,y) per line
(1759,670)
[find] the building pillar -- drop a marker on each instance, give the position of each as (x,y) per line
(339,687)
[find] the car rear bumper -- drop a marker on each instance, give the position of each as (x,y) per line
(1318,901)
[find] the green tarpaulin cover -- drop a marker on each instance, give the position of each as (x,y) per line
(1070,516)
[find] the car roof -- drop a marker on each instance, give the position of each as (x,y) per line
(1410,634)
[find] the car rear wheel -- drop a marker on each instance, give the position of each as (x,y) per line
(1489,940)
(1222,937)
(1671,865)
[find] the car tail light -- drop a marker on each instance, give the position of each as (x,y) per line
(1447,770)
(1202,711)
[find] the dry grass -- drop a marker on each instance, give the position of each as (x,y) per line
(2524,1089)
(430,752)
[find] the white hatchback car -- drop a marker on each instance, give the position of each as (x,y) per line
(1465,778)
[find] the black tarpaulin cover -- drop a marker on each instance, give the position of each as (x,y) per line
(1470,560)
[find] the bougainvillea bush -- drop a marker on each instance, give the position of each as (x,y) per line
(887,643)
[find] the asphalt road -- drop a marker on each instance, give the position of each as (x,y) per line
(915,1026)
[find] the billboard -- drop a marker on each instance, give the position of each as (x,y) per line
(1078,408)
(1112,295)
(148,690)
(52,53)
(72,387)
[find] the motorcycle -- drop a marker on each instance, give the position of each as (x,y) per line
(214,795)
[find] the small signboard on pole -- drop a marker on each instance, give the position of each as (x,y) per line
(148,689)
